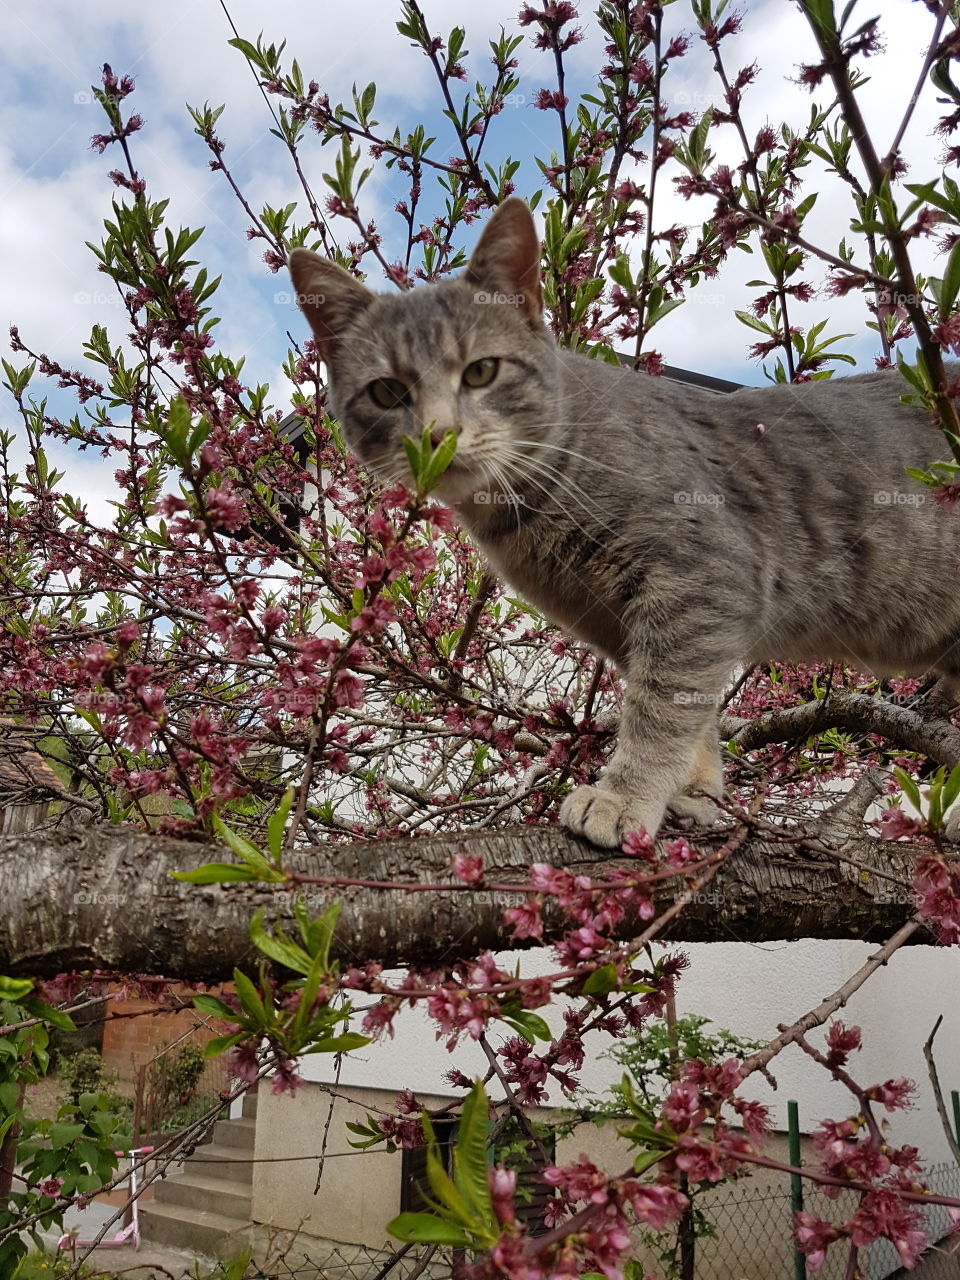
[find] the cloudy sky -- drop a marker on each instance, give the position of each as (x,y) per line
(56,192)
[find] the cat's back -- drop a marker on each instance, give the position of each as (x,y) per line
(852,432)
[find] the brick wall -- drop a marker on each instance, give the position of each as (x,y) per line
(135,1030)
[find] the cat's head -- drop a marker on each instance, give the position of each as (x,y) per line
(471,354)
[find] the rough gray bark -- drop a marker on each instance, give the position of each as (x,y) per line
(102,897)
(926,734)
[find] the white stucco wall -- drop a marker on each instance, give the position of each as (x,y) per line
(748,989)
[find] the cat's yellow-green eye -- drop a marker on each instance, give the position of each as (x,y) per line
(388,393)
(481,372)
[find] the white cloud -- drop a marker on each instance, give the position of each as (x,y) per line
(57,192)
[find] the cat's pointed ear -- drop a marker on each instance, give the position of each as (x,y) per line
(507,259)
(328,296)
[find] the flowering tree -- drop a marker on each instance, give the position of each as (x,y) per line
(265,649)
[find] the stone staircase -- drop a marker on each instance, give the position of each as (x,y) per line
(206,1206)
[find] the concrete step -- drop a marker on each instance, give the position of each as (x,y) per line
(241,1132)
(211,1234)
(250,1106)
(198,1191)
(217,1160)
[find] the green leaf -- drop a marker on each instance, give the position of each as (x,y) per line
(319,933)
(250,854)
(645,1160)
(951,787)
(413,456)
(602,980)
(752,322)
(250,1000)
(215,873)
(279,947)
(909,788)
(278,824)
(55,1017)
(15,989)
(214,1006)
(530,1025)
(220,1044)
(424,1228)
(439,460)
(470,1156)
(345,1043)
(950,285)
(446,1191)
(61,1135)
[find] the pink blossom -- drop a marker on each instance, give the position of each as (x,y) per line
(682,1108)
(378,1019)
(525,921)
(581,1180)
(503,1184)
(895,1095)
(468,867)
(547,100)
(657,1204)
(894,824)
(814,1237)
(348,690)
(937,887)
(842,1041)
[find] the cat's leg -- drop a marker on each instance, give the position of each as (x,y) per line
(693,803)
(662,748)
(943,699)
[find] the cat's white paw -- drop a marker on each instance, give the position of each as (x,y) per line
(697,811)
(952,824)
(605,817)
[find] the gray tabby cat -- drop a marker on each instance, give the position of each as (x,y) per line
(677,532)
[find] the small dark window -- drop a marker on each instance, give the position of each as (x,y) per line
(414,1187)
(518,1153)
(532,1192)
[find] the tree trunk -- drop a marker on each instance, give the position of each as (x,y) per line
(102,897)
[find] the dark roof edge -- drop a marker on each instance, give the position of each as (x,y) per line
(705,380)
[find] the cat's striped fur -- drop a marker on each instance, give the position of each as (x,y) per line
(678,533)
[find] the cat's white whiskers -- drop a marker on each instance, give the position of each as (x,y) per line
(560,481)
(595,463)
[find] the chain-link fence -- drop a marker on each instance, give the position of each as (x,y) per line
(752,1233)
(329,1261)
(750,1237)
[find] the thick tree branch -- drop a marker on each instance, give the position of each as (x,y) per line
(935,738)
(102,897)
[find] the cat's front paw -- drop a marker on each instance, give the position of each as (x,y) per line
(694,811)
(605,817)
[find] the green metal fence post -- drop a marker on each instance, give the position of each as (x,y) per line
(796,1183)
(955,1099)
